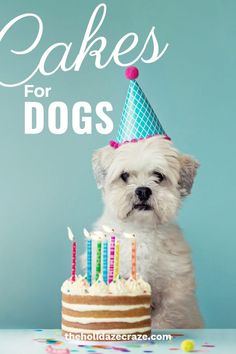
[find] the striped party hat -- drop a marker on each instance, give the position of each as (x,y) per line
(138,121)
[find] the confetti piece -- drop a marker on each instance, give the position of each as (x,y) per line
(48,341)
(173,348)
(38,330)
(208,345)
(148,351)
(121,349)
(177,334)
(129,345)
(51,350)
(53,341)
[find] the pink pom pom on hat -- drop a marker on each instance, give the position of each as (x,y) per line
(131,72)
(138,120)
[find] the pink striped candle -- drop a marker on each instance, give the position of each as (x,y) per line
(112,258)
(73,261)
(73,266)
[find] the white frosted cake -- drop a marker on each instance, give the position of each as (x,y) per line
(122,307)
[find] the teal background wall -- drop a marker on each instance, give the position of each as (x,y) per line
(46,181)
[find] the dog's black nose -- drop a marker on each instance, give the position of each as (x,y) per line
(143,193)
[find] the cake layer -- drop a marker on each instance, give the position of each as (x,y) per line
(107,325)
(94,307)
(68,330)
(140,311)
(106,300)
(104,319)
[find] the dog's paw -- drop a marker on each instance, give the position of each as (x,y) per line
(159,323)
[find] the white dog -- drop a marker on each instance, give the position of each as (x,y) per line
(143,184)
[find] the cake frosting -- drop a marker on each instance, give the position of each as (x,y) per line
(119,286)
(79,287)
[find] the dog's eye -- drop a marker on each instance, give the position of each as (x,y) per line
(159,177)
(124,176)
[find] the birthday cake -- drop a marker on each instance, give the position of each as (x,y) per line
(122,307)
(102,302)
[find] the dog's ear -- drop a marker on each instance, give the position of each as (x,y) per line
(188,170)
(101,161)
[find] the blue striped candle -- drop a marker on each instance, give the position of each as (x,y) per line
(89,261)
(105,261)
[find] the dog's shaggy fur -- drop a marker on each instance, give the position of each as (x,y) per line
(163,257)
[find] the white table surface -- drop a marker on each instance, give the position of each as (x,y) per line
(214,341)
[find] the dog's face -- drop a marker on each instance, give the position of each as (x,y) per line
(144,181)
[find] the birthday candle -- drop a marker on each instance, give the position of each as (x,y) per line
(133,254)
(73,260)
(89,261)
(112,255)
(110,230)
(98,261)
(133,268)
(89,256)
(104,260)
(117,259)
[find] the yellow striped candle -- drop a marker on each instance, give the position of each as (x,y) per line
(117,259)
(133,267)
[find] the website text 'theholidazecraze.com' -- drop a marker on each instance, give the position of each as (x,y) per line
(117,337)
